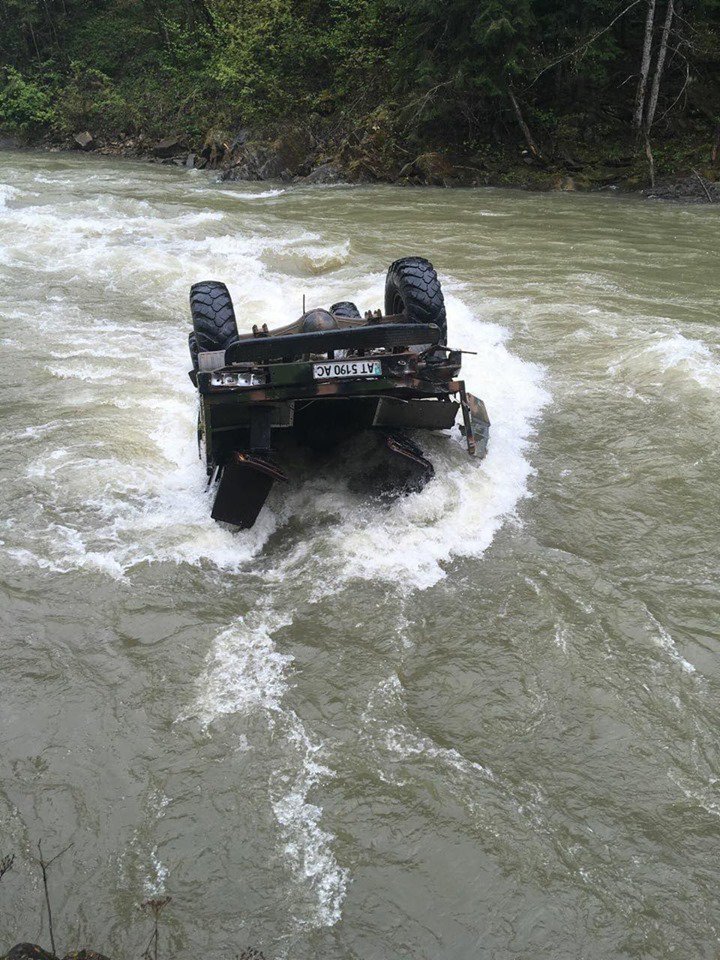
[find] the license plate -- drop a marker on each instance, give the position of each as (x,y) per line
(338,369)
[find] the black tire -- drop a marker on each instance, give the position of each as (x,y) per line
(413,289)
(213,316)
(346,308)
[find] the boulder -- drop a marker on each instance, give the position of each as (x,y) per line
(255,161)
(240,138)
(287,156)
(325,173)
(435,167)
(246,164)
(274,168)
(167,147)
(216,149)
(84,140)
(431,168)
(694,189)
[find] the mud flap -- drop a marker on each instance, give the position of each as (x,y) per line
(245,484)
(476,423)
(412,469)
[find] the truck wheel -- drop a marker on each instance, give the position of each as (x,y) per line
(213,316)
(346,308)
(413,289)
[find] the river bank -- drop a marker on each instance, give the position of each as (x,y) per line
(294,155)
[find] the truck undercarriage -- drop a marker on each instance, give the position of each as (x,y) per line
(324,378)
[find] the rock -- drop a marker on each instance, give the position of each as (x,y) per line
(246,168)
(84,140)
(240,138)
(694,189)
(360,170)
(216,149)
(274,168)
(287,156)
(256,162)
(190,161)
(9,143)
(432,168)
(435,167)
(167,147)
(29,951)
(325,173)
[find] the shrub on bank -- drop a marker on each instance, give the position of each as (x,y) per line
(26,106)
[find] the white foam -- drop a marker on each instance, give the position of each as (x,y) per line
(246,672)
(308,846)
(672,357)
(244,669)
(662,639)
(7,192)
(254,195)
(703,795)
(156,878)
(403,740)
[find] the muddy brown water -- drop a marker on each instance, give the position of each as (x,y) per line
(479,722)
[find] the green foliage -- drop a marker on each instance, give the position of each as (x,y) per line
(111,37)
(26,107)
(90,100)
(438,72)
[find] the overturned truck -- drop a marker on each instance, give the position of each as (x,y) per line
(322,379)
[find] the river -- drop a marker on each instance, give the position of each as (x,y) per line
(479,722)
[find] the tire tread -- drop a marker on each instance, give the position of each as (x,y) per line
(213,315)
(415,281)
(346,308)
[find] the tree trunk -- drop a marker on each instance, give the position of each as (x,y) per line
(532,146)
(644,67)
(650,160)
(655,92)
(34,40)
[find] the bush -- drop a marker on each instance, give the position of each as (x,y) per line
(26,106)
(90,100)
